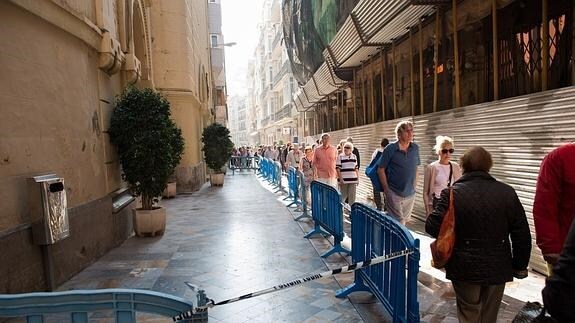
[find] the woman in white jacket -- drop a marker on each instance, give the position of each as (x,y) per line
(439,174)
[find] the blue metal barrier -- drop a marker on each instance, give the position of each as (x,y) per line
(293,187)
(259,162)
(327,214)
(393,282)
(78,303)
(303,197)
(266,168)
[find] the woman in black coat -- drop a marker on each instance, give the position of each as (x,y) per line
(492,238)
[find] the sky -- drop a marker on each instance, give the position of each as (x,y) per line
(239,24)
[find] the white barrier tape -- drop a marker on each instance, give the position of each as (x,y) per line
(293,283)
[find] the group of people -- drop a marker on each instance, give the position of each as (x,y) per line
(493,239)
(492,236)
(338,167)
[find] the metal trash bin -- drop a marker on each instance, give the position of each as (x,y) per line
(48,209)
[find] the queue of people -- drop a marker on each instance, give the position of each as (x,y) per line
(493,239)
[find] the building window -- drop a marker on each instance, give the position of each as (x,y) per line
(214,40)
(271,77)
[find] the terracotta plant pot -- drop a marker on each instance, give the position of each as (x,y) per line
(170,190)
(149,222)
(217,179)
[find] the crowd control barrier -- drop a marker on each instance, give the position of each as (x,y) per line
(327,214)
(394,282)
(302,197)
(243,163)
(266,168)
(35,307)
(293,187)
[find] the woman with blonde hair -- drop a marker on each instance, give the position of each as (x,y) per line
(440,174)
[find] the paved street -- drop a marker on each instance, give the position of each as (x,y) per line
(241,238)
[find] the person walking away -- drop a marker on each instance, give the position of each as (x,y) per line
(397,171)
(380,204)
(554,203)
(324,158)
(558,292)
(440,174)
(347,173)
(492,238)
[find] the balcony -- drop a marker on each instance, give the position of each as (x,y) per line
(268,120)
(279,75)
(285,112)
(277,38)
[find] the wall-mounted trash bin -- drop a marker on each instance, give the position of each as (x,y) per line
(48,209)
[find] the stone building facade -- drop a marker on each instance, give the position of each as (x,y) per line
(63,63)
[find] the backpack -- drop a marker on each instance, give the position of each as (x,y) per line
(371,172)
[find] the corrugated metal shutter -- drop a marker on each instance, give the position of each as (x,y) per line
(518,132)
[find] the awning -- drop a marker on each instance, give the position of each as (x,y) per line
(371,25)
(255,133)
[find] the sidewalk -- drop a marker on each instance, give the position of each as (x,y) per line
(241,238)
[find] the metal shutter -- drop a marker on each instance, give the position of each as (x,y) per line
(518,132)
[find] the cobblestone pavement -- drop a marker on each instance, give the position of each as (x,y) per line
(241,238)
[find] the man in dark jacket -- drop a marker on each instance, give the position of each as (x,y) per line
(558,292)
(487,214)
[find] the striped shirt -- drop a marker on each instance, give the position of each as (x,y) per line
(347,165)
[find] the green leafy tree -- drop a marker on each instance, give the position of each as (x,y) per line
(149,143)
(217,146)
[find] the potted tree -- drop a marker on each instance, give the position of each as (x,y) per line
(217,151)
(149,146)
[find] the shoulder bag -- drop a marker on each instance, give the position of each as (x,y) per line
(442,247)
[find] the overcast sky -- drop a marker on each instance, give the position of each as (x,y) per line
(239,24)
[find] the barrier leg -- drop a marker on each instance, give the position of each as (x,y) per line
(316,230)
(336,248)
(304,215)
(357,286)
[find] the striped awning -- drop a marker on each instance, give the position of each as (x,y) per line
(371,25)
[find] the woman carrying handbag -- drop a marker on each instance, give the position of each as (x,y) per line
(492,240)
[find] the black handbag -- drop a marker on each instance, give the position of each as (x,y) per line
(533,312)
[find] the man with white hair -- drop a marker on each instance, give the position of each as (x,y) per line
(293,157)
(397,172)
